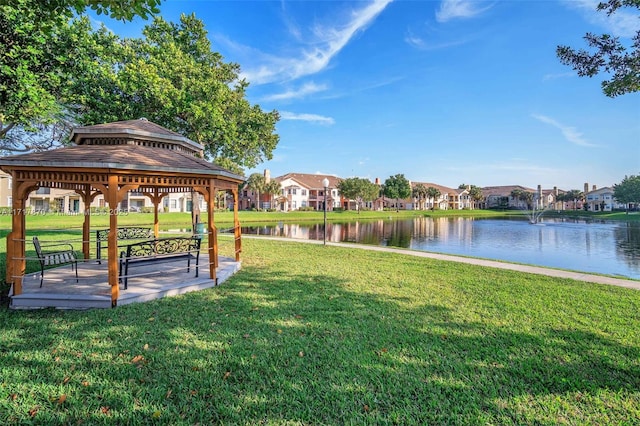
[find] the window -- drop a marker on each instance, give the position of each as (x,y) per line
(9,183)
(304,192)
(174,204)
(43,191)
(10,201)
(294,205)
(295,191)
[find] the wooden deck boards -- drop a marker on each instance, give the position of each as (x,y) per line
(146,282)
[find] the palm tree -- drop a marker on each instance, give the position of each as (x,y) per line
(272,188)
(522,195)
(420,192)
(575,195)
(433,193)
(256,183)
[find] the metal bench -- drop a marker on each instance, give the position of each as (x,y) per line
(53,258)
(124,233)
(159,250)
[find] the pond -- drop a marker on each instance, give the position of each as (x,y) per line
(601,247)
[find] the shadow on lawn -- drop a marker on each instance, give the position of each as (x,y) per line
(299,348)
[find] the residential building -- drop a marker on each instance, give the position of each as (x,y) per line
(600,200)
(302,190)
(449,198)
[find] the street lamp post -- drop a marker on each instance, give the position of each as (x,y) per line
(325,183)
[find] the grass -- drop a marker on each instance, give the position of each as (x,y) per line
(307,334)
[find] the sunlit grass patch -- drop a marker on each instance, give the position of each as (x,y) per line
(308,334)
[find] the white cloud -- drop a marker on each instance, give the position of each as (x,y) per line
(571,134)
(314,118)
(306,89)
(622,23)
(455,9)
(327,42)
(548,77)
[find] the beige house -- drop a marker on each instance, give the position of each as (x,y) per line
(303,190)
(600,200)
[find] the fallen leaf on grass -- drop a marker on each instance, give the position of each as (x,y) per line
(168,394)
(226,375)
(34,411)
(156,414)
(13,396)
(85,383)
(65,380)
(62,399)
(300,354)
(137,359)
(104,410)
(366,408)
(146,347)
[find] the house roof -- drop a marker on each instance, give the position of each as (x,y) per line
(503,191)
(443,189)
(310,181)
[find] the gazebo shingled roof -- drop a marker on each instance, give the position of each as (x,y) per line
(112,159)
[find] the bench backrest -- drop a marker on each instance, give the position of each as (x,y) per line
(36,244)
(126,233)
(164,246)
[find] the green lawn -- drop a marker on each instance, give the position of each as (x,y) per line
(306,334)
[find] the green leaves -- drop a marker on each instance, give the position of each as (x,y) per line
(174,79)
(608,55)
(628,191)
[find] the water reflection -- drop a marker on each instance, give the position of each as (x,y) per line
(603,247)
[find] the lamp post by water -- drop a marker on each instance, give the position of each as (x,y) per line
(325,183)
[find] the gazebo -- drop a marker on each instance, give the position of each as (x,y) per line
(112,159)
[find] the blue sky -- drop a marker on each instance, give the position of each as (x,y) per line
(449,92)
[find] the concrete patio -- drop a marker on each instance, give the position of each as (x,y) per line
(146,282)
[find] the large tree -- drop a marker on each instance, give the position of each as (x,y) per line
(608,55)
(173,78)
(358,189)
(397,187)
(628,191)
(40,55)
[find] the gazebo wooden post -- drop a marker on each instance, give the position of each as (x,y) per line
(156,198)
(87,198)
(213,235)
(16,262)
(236,225)
(112,239)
